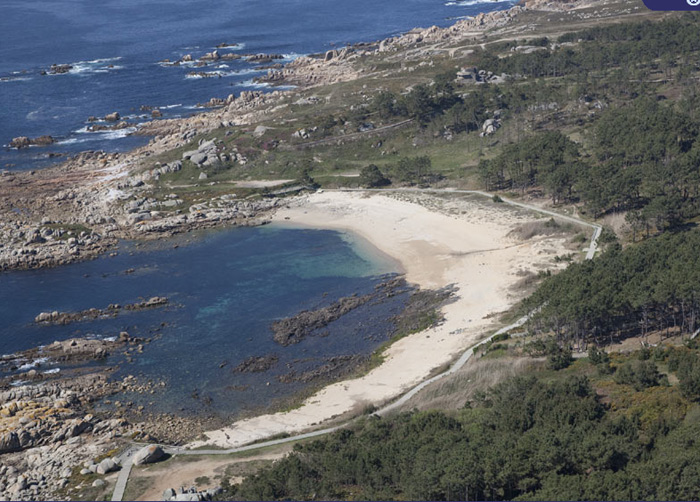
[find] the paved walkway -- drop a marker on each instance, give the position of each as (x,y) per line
(127,461)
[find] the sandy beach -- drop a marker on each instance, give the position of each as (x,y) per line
(439,241)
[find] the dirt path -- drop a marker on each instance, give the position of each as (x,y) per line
(186,474)
(353,136)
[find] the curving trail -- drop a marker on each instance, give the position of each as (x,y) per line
(123,478)
(597,229)
(352,136)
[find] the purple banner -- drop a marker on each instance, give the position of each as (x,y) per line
(672,4)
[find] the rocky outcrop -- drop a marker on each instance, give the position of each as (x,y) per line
(335,65)
(20,142)
(308,323)
(475,76)
(106,466)
(214,102)
(23,246)
(550,4)
(256,364)
(294,329)
(25,142)
(191,494)
(49,420)
(207,154)
(58,69)
(263,58)
(112,117)
(489,127)
(211,56)
(9,442)
(93,313)
(72,351)
(337,54)
(43,141)
(113,127)
(148,455)
(203,74)
(220,210)
(461,30)
(333,368)
(47,433)
(309,71)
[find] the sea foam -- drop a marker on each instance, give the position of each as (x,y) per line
(469,3)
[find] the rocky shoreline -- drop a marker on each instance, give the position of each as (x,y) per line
(80,208)
(47,426)
(60,429)
(88,218)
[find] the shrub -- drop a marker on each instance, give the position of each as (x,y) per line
(639,374)
(559,359)
(372,177)
(686,365)
(598,356)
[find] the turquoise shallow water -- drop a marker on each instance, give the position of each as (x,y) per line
(226,288)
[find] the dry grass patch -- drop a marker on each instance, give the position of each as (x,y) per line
(454,391)
(527,283)
(546,228)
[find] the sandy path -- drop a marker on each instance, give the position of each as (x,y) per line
(184,474)
(467,246)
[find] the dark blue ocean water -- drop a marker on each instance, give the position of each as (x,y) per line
(225,288)
(115,46)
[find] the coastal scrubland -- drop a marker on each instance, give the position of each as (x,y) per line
(605,427)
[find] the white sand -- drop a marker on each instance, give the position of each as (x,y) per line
(438,243)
